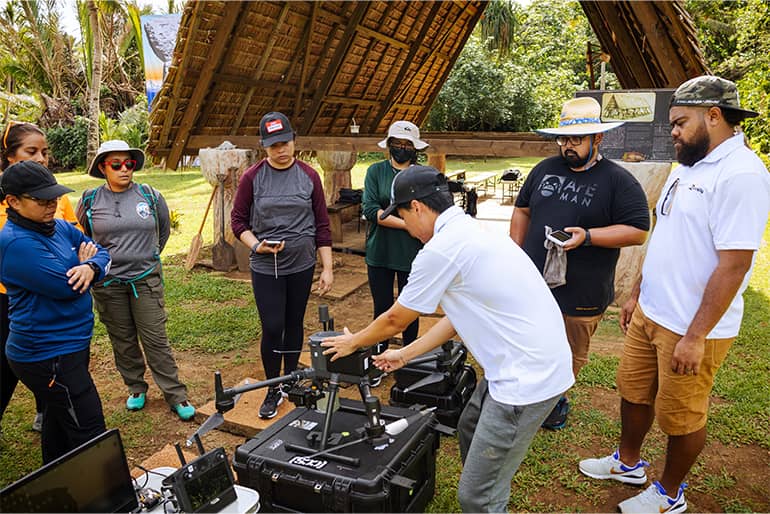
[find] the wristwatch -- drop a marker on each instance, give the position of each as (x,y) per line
(255,246)
(95,267)
(587,240)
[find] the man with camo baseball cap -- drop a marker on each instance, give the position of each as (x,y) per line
(708,91)
(686,310)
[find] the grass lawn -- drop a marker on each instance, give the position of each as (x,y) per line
(212,317)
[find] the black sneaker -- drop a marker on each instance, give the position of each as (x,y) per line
(558,416)
(269,407)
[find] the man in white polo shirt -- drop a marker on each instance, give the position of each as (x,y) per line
(711,217)
(498,303)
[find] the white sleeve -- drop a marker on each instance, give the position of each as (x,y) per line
(432,274)
(741,206)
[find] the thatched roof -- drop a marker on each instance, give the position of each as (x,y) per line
(321,63)
(327,63)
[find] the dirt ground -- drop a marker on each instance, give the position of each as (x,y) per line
(748,464)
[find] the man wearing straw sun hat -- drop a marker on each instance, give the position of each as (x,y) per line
(598,203)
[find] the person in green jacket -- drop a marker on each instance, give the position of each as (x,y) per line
(390,249)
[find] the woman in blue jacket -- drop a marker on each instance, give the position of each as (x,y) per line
(48,266)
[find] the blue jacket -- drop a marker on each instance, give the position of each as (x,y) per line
(47,317)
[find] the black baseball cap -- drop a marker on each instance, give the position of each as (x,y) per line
(31,178)
(414,183)
(275,128)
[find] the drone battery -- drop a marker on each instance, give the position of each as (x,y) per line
(448,405)
(451,365)
(396,476)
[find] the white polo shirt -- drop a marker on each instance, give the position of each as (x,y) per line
(499,304)
(720,203)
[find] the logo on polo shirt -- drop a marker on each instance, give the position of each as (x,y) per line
(273,126)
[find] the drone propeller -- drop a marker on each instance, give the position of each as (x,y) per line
(433,378)
(212,422)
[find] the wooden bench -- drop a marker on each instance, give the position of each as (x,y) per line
(338,214)
(482,182)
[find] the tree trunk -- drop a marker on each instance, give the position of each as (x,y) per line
(96,82)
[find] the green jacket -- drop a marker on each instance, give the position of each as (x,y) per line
(385,247)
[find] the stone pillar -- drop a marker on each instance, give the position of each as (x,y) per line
(652,176)
(220,166)
(438,161)
(336,166)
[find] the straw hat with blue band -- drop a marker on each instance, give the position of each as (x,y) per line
(580,117)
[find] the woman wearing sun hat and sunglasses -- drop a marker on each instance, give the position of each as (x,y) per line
(132,221)
(23,142)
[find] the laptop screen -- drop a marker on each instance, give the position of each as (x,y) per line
(91,478)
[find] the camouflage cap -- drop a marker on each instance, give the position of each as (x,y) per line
(707,91)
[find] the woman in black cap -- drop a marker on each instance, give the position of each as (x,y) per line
(48,266)
(279,212)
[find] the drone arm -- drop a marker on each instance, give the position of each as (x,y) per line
(224,397)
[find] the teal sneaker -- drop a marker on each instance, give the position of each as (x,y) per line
(184,410)
(135,401)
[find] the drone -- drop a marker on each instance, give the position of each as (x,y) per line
(322,381)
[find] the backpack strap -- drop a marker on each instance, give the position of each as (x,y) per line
(88,203)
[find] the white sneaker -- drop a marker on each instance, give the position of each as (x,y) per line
(610,467)
(654,499)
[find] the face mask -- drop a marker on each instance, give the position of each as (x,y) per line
(402,155)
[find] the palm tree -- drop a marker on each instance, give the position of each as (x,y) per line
(95,75)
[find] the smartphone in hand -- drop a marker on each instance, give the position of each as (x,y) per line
(270,242)
(559,237)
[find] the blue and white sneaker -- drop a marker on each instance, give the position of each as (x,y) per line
(611,468)
(654,499)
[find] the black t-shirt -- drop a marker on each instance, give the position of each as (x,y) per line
(606,194)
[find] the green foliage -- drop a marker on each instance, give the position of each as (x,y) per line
(132,125)
(108,128)
(175,219)
(68,144)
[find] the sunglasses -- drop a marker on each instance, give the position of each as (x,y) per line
(8,130)
(665,206)
(116,165)
(573,140)
(41,202)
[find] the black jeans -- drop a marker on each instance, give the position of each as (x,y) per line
(8,379)
(381,286)
(281,305)
(72,410)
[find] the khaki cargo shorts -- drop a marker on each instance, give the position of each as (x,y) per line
(645,376)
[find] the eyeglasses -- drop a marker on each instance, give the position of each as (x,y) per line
(573,140)
(117,165)
(665,206)
(41,202)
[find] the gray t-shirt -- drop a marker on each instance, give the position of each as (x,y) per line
(125,225)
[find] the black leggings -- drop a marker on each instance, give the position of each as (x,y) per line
(72,410)
(281,305)
(8,379)
(381,286)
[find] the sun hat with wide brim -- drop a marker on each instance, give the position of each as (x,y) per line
(580,117)
(404,130)
(114,145)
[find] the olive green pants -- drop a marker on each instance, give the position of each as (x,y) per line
(131,320)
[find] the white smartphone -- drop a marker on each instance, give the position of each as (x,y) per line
(559,237)
(270,242)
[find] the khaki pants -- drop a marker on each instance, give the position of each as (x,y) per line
(580,329)
(130,321)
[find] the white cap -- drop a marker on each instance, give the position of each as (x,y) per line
(404,130)
(114,145)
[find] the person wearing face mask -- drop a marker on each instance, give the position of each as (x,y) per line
(23,142)
(390,249)
(600,204)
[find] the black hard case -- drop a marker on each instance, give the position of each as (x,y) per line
(449,406)
(376,485)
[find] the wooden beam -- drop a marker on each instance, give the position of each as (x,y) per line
(382,37)
(303,73)
(489,144)
(227,78)
(385,105)
(334,65)
(260,68)
(218,47)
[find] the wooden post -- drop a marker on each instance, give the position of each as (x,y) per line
(438,161)
(336,166)
(652,176)
(230,164)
